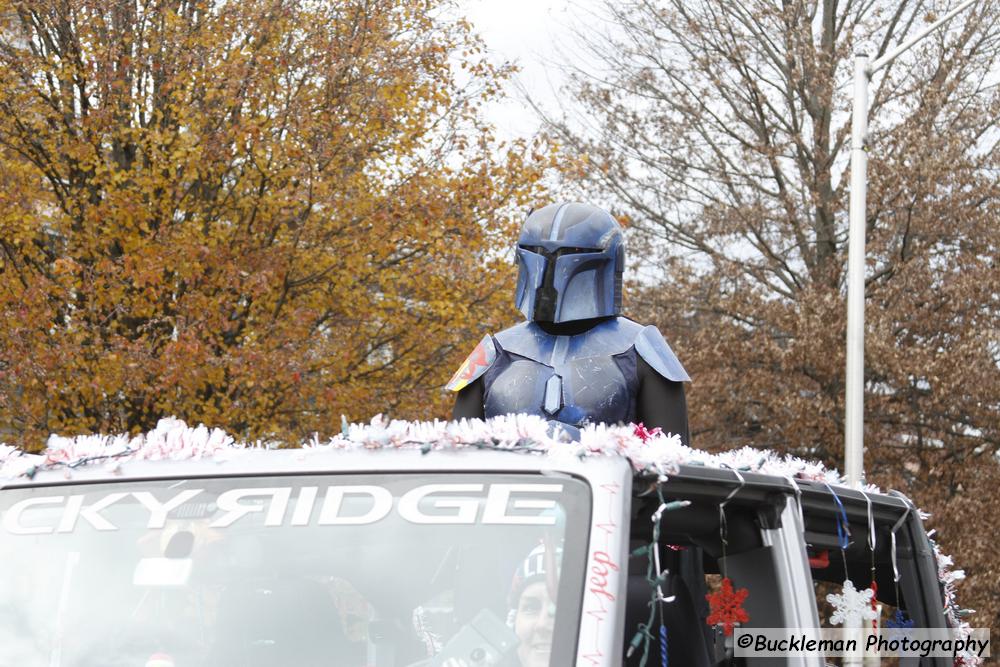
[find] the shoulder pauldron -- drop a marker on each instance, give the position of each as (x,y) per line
(475,365)
(655,351)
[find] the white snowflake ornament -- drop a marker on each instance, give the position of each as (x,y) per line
(852,605)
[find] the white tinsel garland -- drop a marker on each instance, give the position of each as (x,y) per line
(173,439)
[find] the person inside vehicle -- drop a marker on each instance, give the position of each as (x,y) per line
(575,360)
(533,606)
(525,640)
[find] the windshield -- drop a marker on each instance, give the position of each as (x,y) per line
(337,570)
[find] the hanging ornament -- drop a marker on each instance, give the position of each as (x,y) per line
(899,621)
(820,561)
(726,607)
(656,576)
(874,602)
(898,625)
(871,549)
(661,599)
(851,605)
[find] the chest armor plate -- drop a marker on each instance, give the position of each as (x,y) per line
(587,378)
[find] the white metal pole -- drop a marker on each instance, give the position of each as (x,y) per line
(855,390)
(854,408)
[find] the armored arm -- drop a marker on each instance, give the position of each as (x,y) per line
(469,402)
(661,401)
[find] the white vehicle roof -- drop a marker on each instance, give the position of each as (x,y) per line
(260,461)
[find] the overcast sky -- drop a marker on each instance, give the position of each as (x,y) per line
(527,32)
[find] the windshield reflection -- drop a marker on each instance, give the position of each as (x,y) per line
(347,570)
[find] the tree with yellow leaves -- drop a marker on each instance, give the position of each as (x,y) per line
(258,215)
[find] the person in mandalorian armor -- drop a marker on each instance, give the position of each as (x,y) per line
(575,360)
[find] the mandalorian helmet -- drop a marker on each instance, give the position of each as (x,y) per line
(571,258)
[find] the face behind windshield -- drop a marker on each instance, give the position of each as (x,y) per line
(345,570)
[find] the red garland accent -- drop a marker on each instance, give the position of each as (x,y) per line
(874,588)
(726,607)
(645,434)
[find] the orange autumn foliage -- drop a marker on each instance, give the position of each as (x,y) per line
(259,215)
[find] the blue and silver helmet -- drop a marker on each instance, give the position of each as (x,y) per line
(571,258)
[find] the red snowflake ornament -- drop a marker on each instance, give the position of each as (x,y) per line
(726,607)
